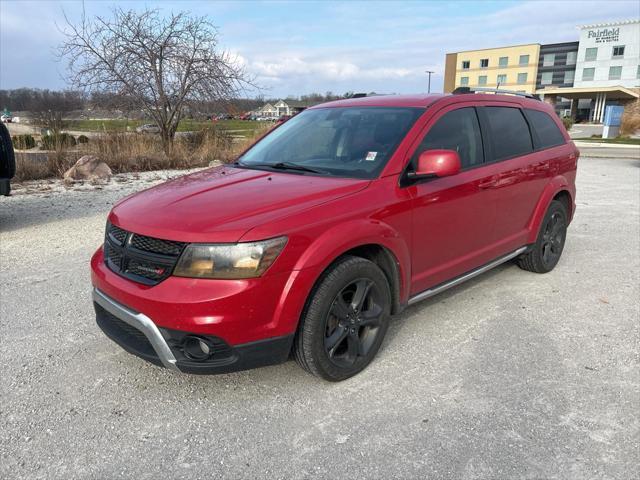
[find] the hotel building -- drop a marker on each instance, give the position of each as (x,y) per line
(580,78)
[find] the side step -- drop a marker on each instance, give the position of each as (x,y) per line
(463,278)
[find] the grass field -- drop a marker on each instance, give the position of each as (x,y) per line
(185,125)
(619,140)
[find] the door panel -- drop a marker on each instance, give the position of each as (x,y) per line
(452,216)
(521,174)
(452,227)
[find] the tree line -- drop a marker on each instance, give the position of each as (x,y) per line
(37,100)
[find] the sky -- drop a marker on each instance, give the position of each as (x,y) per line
(294,48)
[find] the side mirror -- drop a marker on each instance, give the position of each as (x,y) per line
(437,163)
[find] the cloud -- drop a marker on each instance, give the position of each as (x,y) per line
(287,67)
(296,48)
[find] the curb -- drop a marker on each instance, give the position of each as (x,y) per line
(604,145)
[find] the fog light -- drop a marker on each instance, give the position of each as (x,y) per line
(197,348)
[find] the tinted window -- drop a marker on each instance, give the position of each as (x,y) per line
(548,133)
(352,142)
(509,132)
(457,130)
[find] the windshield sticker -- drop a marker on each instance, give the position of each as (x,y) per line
(371,156)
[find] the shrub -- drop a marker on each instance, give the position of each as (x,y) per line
(136,153)
(56,142)
(567,122)
(23,142)
(83,139)
(28,168)
(630,124)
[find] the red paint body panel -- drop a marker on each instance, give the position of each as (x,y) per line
(434,230)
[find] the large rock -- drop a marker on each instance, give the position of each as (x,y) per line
(88,168)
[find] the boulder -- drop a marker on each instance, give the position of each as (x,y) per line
(88,168)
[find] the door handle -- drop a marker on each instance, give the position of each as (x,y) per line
(488,183)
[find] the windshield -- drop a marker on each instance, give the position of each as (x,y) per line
(354,142)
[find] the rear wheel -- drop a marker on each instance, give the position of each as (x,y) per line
(345,320)
(545,253)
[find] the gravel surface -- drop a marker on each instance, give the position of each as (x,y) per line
(512,375)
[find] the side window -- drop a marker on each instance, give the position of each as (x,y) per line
(457,130)
(548,133)
(509,132)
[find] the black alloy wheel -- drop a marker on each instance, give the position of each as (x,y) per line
(544,255)
(553,238)
(353,322)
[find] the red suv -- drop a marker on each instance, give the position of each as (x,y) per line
(333,222)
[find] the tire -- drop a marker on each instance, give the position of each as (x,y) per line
(545,253)
(7,158)
(334,340)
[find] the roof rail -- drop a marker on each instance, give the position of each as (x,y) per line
(463,90)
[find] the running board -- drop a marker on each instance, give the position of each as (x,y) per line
(463,278)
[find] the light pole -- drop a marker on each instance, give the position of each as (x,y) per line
(429,72)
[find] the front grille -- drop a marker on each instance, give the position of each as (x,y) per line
(163,247)
(145,270)
(140,258)
(118,234)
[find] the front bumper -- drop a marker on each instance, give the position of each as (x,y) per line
(139,335)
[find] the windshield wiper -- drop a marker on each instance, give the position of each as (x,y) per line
(283,166)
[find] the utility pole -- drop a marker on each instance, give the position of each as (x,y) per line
(429,72)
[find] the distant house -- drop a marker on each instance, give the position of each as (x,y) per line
(281,107)
(267,111)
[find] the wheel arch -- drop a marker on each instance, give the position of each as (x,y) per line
(374,240)
(388,263)
(558,189)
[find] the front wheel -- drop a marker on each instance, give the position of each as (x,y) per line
(345,320)
(545,253)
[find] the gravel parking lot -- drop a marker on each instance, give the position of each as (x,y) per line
(512,375)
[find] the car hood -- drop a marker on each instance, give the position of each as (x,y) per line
(223,203)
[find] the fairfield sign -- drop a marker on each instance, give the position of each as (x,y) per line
(604,35)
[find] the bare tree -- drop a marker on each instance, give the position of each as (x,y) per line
(163,62)
(50,108)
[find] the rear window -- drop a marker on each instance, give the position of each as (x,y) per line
(547,131)
(509,132)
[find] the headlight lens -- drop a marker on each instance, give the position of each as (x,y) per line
(238,260)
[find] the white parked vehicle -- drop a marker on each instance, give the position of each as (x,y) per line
(148,128)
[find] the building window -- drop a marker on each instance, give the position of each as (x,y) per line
(524,60)
(590,54)
(569,76)
(588,74)
(482,80)
(615,73)
(549,59)
(547,78)
(484,62)
(522,78)
(503,61)
(466,64)
(464,81)
(502,79)
(572,57)
(618,51)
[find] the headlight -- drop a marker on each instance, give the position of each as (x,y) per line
(237,260)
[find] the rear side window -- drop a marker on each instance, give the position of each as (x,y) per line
(457,130)
(547,132)
(509,132)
